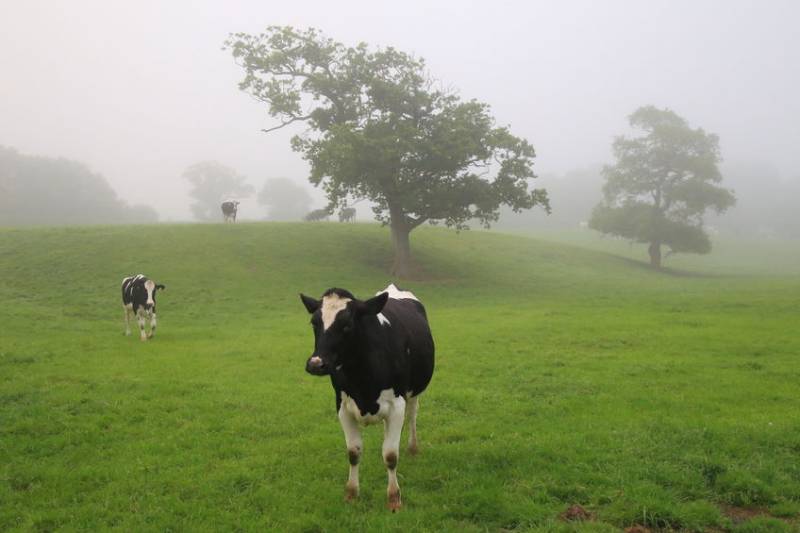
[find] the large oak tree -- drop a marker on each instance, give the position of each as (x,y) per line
(213,183)
(662,184)
(284,199)
(379,128)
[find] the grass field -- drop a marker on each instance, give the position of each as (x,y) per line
(565,376)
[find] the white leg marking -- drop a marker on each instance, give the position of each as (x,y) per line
(413,406)
(140,318)
(152,326)
(392,428)
(352,437)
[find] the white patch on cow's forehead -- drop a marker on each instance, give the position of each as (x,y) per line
(397,294)
(331,305)
(149,285)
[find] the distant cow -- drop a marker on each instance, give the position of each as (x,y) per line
(379,355)
(317,215)
(347,214)
(229,210)
(139,299)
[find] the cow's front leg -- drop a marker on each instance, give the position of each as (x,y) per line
(127,320)
(153,324)
(392,427)
(352,437)
(141,320)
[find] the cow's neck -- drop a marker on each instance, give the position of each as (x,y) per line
(362,370)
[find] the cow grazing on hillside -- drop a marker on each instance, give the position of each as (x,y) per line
(229,210)
(139,299)
(379,356)
(317,215)
(347,214)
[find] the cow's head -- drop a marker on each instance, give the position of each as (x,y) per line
(335,319)
(150,288)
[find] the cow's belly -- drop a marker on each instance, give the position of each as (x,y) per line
(387,401)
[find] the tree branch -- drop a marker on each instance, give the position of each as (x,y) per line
(284,124)
(414,222)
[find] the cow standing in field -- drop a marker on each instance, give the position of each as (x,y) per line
(347,214)
(229,210)
(139,299)
(379,354)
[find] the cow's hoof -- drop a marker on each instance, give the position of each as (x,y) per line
(394,504)
(413,449)
(350,493)
(144,339)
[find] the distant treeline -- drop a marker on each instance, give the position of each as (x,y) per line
(43,190)
(765,203)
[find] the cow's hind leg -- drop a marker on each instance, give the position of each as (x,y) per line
(352,437)
(392,428)
(413,406)
(127,319)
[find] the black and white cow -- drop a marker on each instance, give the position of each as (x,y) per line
(379,355)
(347,214)
(139,299)
(229,210)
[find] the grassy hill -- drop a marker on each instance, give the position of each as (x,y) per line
(565,376)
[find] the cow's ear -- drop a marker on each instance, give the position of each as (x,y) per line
(373,306)
(161,287)
(311,304)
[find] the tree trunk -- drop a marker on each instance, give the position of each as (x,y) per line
(402,245)
(655,254)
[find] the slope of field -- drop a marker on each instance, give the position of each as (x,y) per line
(564,377)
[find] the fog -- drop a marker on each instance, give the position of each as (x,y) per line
(139,91)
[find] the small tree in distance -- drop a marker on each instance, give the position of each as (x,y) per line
(380,129)
(284,199)
(661,185)
(213,182)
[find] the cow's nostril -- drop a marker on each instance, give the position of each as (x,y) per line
(315,365)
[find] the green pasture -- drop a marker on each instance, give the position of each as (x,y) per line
(565,375)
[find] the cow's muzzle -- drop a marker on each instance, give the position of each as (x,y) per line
(316,366)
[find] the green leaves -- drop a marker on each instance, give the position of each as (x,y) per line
(662,184)
(379,128)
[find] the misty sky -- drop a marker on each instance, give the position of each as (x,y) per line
(140,90)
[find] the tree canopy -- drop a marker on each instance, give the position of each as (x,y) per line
(284,199)
(380,128)
(38,190)
(662,184)
(213,183)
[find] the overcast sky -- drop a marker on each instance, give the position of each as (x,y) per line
(140,90)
